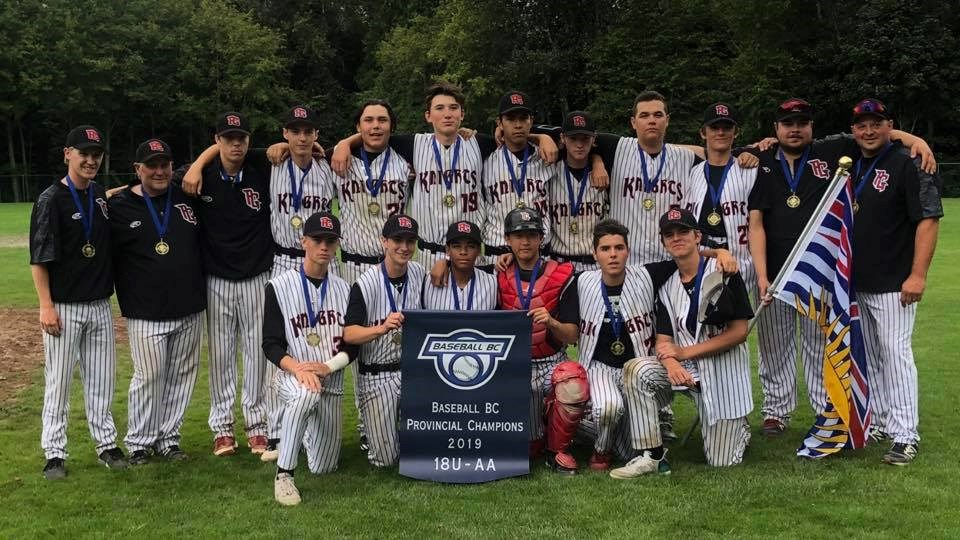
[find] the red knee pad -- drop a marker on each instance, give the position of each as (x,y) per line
(566,404)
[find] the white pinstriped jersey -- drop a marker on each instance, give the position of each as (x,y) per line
(441,298)
(317,197)
(733,202)
(428,190)
(724,377)
(383,350)
(594,207)
(330,320)
(501,196)
(627,195)
(361,228)
(637,307)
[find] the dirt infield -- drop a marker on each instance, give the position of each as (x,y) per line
(21,348)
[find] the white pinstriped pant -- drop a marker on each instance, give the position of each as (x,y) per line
(888,339)
(166,359)
(315,418)
(777,339)
(605,423)
(379,396)
(86,339)
(232,307)
(647,389)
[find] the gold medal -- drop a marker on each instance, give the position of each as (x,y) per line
(856,206)
(296,222)
(793,201)
(521,204)
(396,338)
(574,227)
(648,204)
(449,200)
(617,348)
(374,208)
(88,250)
(313,339)
(714,219)
(162,248)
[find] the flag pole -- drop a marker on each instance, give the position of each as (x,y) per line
(843,165)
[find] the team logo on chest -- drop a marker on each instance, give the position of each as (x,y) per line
(881,180)
(186,213)
(252,198)
(819,168)
(465,359)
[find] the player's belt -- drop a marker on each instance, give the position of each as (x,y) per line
(358,259)
(582,259)
(430,246)
(373,369)
(289,252)
(495,250)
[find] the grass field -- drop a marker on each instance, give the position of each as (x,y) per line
(772,494)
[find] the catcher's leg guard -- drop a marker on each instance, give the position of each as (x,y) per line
(566,405)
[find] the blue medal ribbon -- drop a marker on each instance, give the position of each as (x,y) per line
(793,180)
(308,298)
(616,319)
(715,193)
(456,292)
(374,186)
(86,218)
(526,299)
(648,184)
(447,176)
(862,180)
(575,203)
(507,158)
(695,299)
(161,227)
(296,192)
(389,289)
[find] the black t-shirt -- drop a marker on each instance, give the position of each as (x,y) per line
(57,237)
(742,310)
(357,307)
(235,219)
(149,285)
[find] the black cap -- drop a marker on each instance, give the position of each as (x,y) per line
(400,225)
(514,100)
(578,122)
(871,107)
(677,218)
(522,219)
(85,137)
(795,109)
(152,148)
(232,122)
(719,112)
(463,230)
(322,224)
(301,114)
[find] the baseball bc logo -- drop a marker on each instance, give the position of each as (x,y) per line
(465,359)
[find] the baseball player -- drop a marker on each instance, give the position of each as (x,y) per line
(374,319)
(156,235)
(469,288)
(708,356)
(559,388)
(304,313)
(897,219)
(70,264)
(237,248)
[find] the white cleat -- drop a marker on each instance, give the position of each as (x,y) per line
(285,491)
(641,465)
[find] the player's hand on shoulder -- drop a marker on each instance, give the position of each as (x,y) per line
(503,262)
(466,133)
(927,161)
(599,177)
(113,191)
(726,262)
(548,149)
(438,273)
(340,160)
(318,151)
(50,321)
(912,289)
(192,182)
(278,152)
(748,160)
(765,144)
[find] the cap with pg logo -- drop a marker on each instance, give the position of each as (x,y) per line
(301,114)
(577,122)
(871,107)
(719,112)
(152,148)
(463,230)
(399,225)
(232,122)
(84,138)
(794,109)
(514,100)
(522,219)
(322,224)
(677,218)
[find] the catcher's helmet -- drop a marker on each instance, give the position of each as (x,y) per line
(523,219)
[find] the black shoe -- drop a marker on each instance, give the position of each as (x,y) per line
(139,457)
(561,468)
(877,434)
(55,469)
(113,459)
(173,453)
(901,453)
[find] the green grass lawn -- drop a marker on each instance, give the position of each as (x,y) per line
(771,494)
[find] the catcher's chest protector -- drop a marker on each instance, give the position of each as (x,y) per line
(546,293)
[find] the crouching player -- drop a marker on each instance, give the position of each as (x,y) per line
(703,350)
(303,323)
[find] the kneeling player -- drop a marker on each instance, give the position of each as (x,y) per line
(303,321)
(469,289)
(706,354)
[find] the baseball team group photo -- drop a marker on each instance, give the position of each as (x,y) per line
(478,302)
